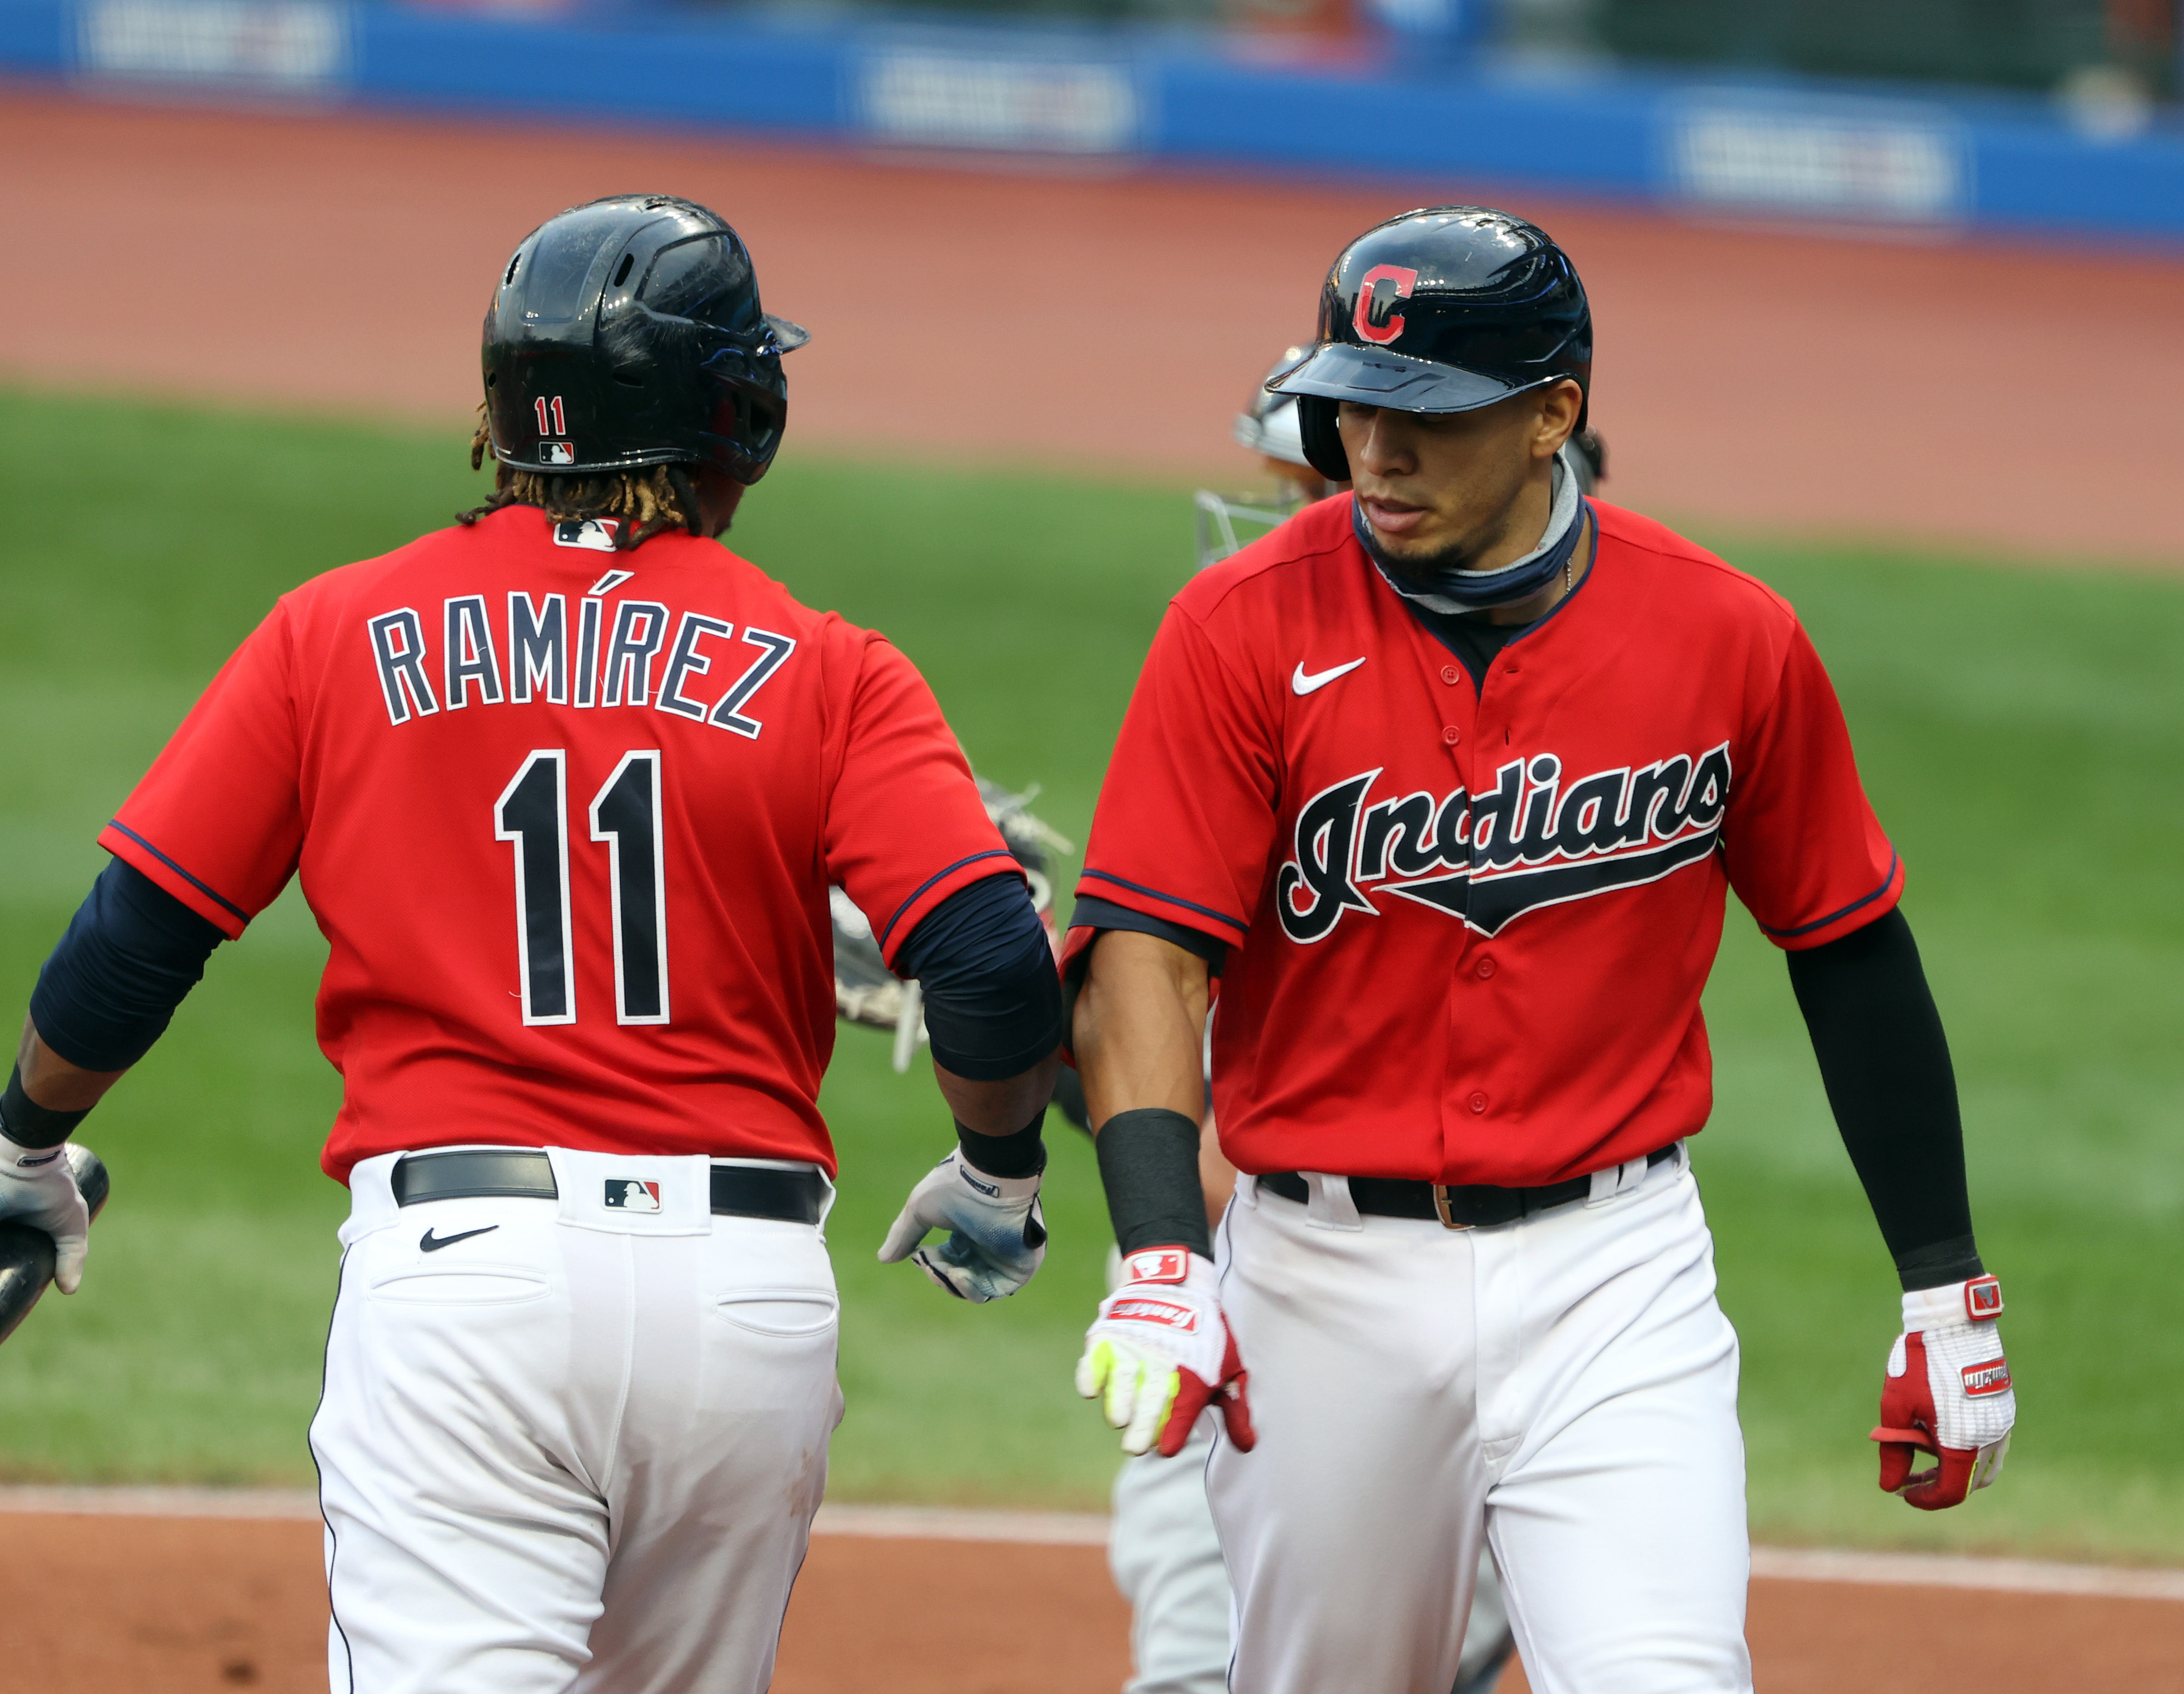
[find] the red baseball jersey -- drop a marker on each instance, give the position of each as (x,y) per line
(567,817)
(1467,930)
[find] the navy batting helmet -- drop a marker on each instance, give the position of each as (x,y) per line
(1443,309)
(627,333)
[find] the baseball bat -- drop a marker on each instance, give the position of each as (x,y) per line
(26,1255)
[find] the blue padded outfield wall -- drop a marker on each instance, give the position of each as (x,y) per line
(1782,150)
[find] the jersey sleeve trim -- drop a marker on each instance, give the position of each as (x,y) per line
(931,883)
(1893,883)
(230,918)
(1238,924)
(1100,916)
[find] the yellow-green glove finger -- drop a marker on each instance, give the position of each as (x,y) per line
(1093,1368)
(1125,1370)
(1156,1391)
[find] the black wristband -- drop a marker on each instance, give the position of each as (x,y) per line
(1149,1164)
(1020,1154)
(29,1124)
(1955,1259)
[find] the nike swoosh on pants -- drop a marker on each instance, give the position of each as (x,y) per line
(430,1243)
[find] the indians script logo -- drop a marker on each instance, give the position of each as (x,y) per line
(1534,841)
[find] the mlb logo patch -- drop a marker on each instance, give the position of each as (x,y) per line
(557,453)
(1983,1298)
(624,1195)
(595,535)
(1991,1377)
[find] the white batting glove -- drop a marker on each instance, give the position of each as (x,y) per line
(997,1236)
(38,1187)
(1947,1393)
(1159,1350)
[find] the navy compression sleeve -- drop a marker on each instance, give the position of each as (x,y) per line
(1885,1063)
(992,1002)
(132,953)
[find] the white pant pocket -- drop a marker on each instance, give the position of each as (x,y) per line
(789,1312)
(470,1285)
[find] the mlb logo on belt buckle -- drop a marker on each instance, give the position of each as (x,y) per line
(625,1194)
(1982,1298)
(557,453)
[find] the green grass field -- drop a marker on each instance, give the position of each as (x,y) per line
(2020,734)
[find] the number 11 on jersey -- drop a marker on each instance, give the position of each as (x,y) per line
(533,812)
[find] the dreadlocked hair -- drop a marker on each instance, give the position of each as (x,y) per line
(646,500)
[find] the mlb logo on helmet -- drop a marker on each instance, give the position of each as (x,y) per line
(624,1195)
(557,453)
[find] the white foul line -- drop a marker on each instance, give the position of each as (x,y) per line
(1090,1529)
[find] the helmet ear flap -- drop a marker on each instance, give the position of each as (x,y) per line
(1322,440)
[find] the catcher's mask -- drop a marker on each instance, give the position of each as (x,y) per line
(1268,426)
(627,333)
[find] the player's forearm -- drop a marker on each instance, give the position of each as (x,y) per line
(999,1108)
(1139,1028)
(1885,1061)
(48,1095)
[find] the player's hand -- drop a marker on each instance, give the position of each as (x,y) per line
(1947,1393)
(38,1187)
(997,1236)
(1159,1350)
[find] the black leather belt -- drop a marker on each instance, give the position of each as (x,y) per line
(526,1174)
(1459,1205)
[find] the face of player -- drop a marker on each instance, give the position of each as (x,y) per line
(1467,490)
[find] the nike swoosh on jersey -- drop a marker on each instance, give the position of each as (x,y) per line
(1319,679)
(430,1243)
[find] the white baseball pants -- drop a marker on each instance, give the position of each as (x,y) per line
(1565,1387)
(1165,1555)
(570,1446)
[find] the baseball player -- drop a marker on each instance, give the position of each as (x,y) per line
(1444,784)
(1164,1552)
(566,785)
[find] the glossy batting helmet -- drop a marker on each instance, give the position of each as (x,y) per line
(627,333)
(1443,309)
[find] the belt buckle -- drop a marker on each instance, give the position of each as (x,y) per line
(1440,1207)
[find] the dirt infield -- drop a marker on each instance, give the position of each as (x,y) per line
(169,1605)
(2013,401)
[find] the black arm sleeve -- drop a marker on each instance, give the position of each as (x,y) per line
(1885,1063)
(1149,1166)
(992,1002)
(131,954)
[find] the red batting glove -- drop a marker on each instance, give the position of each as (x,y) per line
(1160,1352)
(1947,1393)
